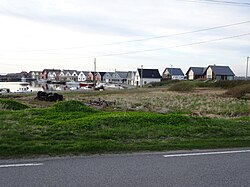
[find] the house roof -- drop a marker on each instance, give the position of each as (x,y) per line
(197,70)
(175,71)
(70,71)
(122,74)
(149,73)
(52,70)
(131,74)
(222,70)
(102,73)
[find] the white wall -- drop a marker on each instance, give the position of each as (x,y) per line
(209,73)
(191,75)
(177,77)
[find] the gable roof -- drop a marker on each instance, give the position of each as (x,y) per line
(122,74)
(149,73)
(221,70)
(175,71)
(197,70)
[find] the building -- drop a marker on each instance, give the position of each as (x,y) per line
(173,73)
(194,73)
(119,77)
(35,75)
(214,72)
(51,74)
(131,77)
(145,76)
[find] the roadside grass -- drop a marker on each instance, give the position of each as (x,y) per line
(56,131)
(7,104)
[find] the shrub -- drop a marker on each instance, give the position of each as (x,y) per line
(162,83)
(72,106)
(230,83)
(239,91)
(183,86)
(11,105)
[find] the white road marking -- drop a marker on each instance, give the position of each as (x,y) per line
(21,165)
(206,153)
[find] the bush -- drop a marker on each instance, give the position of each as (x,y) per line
(162,83)
(239,91)
(12,105)
(183,86)
(72,106)
(230,83)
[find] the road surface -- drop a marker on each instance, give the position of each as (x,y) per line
(211,168)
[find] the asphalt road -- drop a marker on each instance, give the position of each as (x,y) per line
(217,168)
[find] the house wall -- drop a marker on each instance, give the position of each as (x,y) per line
(209,73)
(191,75)
(137,81)
(177,77)
(147,80)
(131,79)
(81,77)
(106,78)
(166,74)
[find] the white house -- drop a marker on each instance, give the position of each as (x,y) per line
(81,76)
(145,76)
(131,77)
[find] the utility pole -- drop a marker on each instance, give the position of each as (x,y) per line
(94,71)
(171,71)
(141,75)
(247,67)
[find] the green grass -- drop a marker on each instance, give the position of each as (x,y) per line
(6,104)
(63,130)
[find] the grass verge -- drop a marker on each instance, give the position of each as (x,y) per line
(63,130)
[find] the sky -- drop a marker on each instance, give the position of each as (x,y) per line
(123,35)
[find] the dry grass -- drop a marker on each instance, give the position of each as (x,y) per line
(202,101)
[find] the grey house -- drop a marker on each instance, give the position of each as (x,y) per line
(214,72)
(119,77)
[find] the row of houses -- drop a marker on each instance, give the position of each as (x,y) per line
(211,72)
(136,78)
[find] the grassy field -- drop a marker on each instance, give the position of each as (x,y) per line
(145,119)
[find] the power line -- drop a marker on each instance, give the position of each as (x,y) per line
(229,3)
(184,45)
(157,49)
(144,39)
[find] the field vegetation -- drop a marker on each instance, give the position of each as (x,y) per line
(155,118)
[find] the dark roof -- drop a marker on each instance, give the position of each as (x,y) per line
(197,70)
(222,70)
(149,73)
(175,71)
(53,70)
(102,73)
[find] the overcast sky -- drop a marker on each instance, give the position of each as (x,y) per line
(122,34)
